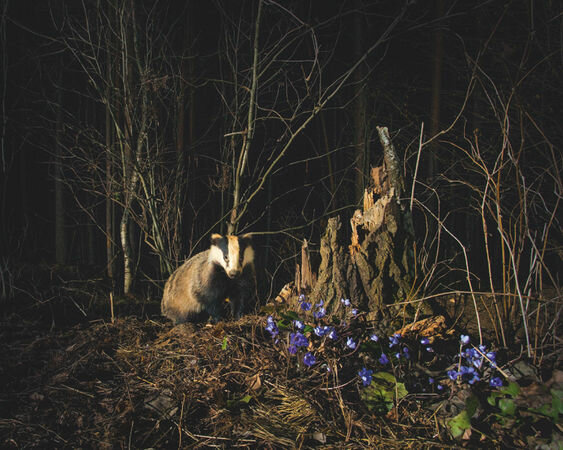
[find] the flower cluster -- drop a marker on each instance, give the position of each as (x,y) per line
(310,324)
(305,306)
(297,340)
(466,373)
(271,327)
(320,312)
(310,331)
(471,362)
(365,375)
(325,330)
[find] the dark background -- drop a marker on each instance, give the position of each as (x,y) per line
(174,78)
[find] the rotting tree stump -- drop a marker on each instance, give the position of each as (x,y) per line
(377,267)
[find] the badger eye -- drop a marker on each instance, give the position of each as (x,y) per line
(226,258)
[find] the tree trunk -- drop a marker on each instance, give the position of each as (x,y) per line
(128,271)
(377,267)
(108,173)
(237,211)
(60,238)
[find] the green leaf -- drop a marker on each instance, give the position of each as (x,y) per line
(459,424)
(557,400)
(308,329)
(382,392)
(232,403)
(507,406)
(290,316)
(471,405)
(246,399)
(492,399)
(512,389)
(462,421)
(504,399)
(224,344)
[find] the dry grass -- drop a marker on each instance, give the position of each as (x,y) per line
(135,384)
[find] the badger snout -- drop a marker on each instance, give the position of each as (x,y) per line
(234,273)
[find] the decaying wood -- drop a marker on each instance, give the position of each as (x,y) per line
(335,276)
(376,268)
(307,276)
(431,327)
(285,293)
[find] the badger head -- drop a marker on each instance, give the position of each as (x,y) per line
(232,253)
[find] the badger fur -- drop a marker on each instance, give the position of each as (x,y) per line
(201,285)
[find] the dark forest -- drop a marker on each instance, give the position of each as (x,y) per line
(132,130)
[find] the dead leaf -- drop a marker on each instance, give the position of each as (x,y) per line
(254,382)
(430,327)
(466,434)
(320,437)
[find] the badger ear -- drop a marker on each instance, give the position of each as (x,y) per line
(246,237)
(215,237)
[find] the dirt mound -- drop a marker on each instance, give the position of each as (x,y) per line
(145,384)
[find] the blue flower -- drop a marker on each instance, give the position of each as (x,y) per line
(492,357)
(440,387)
(472,356)
(321,312)
(298,324)
(350,343)
(431,380)
(292,349)
(394,340)
(469,374)
(309,359)
(495,382)
(321,330)
(305,306)
(452,374)
(374,337)
(464,339)
(465,370)
(406,352)
(383,359)
(333,335)
(298,340)
(425,341)
(474,379)
(354,311)
(429,349)
(345,301)
(365,375)
(271,327)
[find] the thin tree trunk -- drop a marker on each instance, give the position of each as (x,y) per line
(60,238)
(108,174)
(360,103)
(247,141)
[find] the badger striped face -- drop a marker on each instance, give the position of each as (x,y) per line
(232,253)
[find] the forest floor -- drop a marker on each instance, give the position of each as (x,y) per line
(142,383)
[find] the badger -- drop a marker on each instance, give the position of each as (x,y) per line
(203,285)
